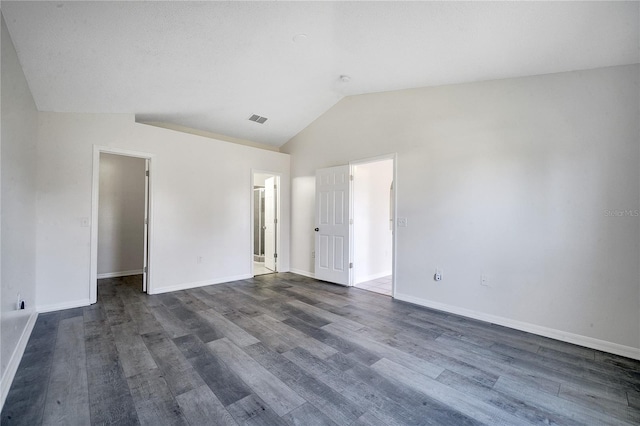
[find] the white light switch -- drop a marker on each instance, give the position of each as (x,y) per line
(402,222)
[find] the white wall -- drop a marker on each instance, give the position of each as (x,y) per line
(121,215)
(18,200)
(371,232)
(510,178)
(201,198)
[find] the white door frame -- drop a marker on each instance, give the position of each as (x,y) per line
(95,196)
(394,206)
(271,213)
(278,177)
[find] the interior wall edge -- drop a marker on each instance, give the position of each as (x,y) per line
(16,357)
(62,306)
(214,281)
(576,339)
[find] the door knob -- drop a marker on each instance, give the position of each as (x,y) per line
(317,229)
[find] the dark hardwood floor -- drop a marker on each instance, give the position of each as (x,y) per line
(284,349)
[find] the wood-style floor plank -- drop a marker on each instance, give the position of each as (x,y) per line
(582,413)
(25,401)
(200,406)
(230,330)
(471,407)
(67,400)
(529,413)
(634,399)
(177,370)
(134,354)
(385,351)
(153,399)
(225,384)
(308,415)
(283,349)
(110,400)
(251,410)
(322,396)
(268,387)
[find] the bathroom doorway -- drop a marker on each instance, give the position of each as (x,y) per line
(265,212)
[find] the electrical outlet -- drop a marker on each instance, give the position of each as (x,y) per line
(19,303)
(438,275)
(402,222)
(313,254)
(484,280)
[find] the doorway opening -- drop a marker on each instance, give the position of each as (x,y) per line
(265,212)
(355,242)
(120,218)
(373,219)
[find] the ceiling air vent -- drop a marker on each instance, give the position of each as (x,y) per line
(258,119)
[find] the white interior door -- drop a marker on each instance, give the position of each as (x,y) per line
(332,225)
(270,223)
(146,228)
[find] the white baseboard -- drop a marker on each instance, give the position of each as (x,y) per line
(303,273)
(16,357)
(65,305)
(186,286)
(589,342)
(373,277)
(120,274)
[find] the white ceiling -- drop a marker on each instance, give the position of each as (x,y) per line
(210,65)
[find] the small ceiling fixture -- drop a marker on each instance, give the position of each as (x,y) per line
(345,78)
(258,119)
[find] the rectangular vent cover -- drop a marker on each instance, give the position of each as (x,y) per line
(258,119)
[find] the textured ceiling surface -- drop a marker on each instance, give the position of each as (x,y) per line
(210,65)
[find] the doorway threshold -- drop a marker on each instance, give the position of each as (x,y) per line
(260,269)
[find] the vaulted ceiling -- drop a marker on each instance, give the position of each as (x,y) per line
(211,65)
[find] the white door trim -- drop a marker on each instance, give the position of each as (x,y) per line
(95,196)
(278,177)
(145,263)
(271,215)
(394,204)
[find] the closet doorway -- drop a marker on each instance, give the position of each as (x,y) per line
(265,231)
(121,212)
